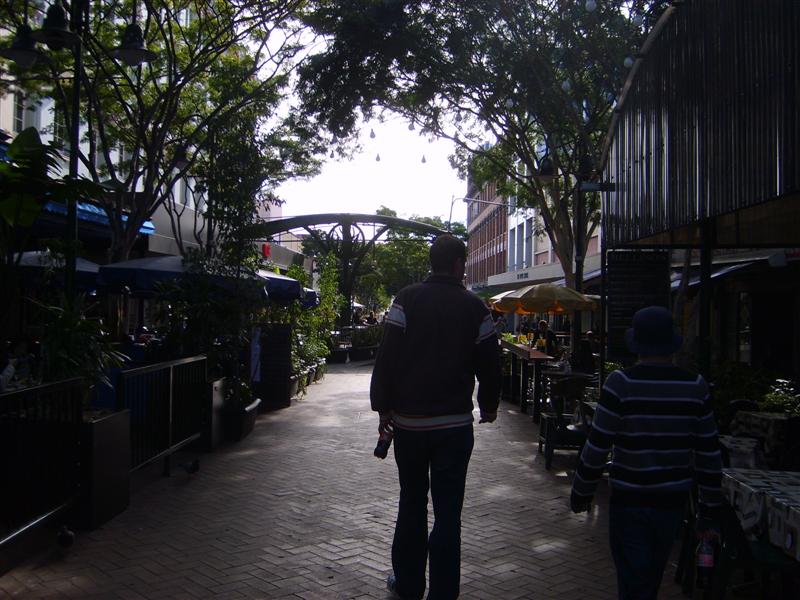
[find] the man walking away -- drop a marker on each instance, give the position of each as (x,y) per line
(656,418)
(438,337)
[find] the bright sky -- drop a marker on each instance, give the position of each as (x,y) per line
(400,180)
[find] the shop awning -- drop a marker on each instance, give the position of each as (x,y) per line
(142,275)
(719,272)
(280,288)
(37,261)
(310,299)
(90,213)
(586,278)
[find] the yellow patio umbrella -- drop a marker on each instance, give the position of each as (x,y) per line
(496,304)
(543,298)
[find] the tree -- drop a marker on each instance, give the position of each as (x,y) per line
(511,82)
(146,126)
(27,182)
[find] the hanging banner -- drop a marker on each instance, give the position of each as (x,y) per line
(634,279)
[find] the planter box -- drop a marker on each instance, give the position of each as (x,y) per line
(274,367)
(106,458)
(214,418)
(363,353)
(294,387)
(319,373)
(239,423)
(309,377)
(338,356)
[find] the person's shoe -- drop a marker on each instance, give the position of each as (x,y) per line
(391,585)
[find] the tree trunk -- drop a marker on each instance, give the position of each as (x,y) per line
(115,303)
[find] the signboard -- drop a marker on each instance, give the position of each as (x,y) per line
(634,279)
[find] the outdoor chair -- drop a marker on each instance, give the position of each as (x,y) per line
(556,430)
(753,557)
(735,552)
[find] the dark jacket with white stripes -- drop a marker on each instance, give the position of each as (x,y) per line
(658,421)
(437,338)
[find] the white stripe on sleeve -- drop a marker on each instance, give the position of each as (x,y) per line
(396,316)
(486,329)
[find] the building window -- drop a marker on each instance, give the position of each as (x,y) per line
(19,112)
(60,132)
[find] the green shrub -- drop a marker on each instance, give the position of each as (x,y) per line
(782,397)
(737,381)
(366,336)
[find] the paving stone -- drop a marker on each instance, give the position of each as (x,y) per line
(301,510)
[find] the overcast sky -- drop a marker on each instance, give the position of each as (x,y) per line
(400,180)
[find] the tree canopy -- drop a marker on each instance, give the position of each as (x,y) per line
(511,82)
(144,127)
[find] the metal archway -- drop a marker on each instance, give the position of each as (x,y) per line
(345,237)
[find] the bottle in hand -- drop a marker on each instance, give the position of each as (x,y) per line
(384,441)
(705,562)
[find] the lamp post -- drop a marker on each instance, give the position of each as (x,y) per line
(452,202)
(56,33)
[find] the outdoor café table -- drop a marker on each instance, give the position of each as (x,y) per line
(767,504)
(768,426)
(524,364)
(742,452)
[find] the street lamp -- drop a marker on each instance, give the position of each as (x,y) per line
(452,202)
(57,34)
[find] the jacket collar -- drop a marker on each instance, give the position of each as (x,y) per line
(446,279)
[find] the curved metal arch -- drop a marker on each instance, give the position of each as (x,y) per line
(351,249)
(268,228)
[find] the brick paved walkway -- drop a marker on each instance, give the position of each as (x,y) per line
(302,510)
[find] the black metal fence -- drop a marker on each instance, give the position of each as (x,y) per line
(708,122)
(167,402)
(40,430)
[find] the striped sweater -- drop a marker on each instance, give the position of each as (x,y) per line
(657,422)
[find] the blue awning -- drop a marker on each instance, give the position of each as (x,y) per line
(280,288)
(141,276)
(310,299)
(94,214)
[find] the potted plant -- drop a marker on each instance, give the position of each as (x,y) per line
(75,344)
(366,339)
(241,409)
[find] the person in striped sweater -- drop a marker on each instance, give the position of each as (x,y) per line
(656,420)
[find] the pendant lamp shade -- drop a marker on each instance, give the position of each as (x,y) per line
(132,51)
(23,48)
(55,31)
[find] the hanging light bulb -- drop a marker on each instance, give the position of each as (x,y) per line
(566,85)
(458,117)
(628,62)
(590,5)
(510,103)
(377,158)
(423,159)
(332,154)
(372,133)
(638,20)
(411,126)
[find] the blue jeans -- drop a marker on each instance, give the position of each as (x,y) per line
(445,453)
(641,540)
